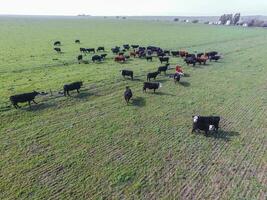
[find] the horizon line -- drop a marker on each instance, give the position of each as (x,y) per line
(88,15)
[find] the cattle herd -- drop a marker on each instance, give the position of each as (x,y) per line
(121,55)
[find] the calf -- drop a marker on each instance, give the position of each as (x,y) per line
(57,43)
(205,123)
(163,68)
(167,52)
(151,86)
(134,46)
(58,50)
(83,50)
(90,50)
(128,95)
(211,53)
(73,86)
(115,50)
(190,56)
(126,46)
(80,58)
(103,56)
(120,59)
(100,49)
(200,54)
(127,73)
(183,53)
(97,58)
(20,98)
(175,53)
(177,77)
(133,54)
(149,58)
(164,59)
(202,59)
(152,75)
(215,58)
(190,60)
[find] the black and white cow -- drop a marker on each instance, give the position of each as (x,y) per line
(206,124)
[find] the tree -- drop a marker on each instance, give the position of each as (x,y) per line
(226,17)
(236,18)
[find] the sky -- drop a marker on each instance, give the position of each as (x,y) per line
(133,7)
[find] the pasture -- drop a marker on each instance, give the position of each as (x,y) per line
(93,146)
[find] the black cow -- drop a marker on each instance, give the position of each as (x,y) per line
(176,77)
(83,50)
(152,75)
(167,52)
(20,98)
(149,58)
(127,73)
(128,95)
(215,58)
(163,68)
(58,50)
(151,86)
(190,60)
(164,59)
(89,50)
(57,43)
(205,123)
(175,53)
(200,54)
(126,46)
(115,50)
(161,54)
(80,58)
(100,49)
(72,86)
(77,41)
(212,53)
(190,56)
(97,58)
(134,46)
(103,56)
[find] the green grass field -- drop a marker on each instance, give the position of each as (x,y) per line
(92,146)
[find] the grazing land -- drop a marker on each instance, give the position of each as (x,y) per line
(93,146)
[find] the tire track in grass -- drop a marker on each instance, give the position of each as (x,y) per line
(216,150)
(243,130)
(250,173)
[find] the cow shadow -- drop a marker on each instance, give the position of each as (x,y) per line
(136,79)
(185,83)
(223,135)
(139,102)
(83,95)
(186,75)
(38,107)
(163,94)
